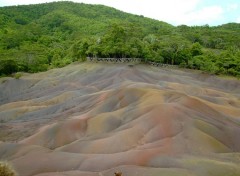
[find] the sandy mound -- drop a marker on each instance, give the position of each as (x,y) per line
(93,119)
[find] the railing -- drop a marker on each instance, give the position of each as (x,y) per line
(157,64)
(129,60)
(114,60)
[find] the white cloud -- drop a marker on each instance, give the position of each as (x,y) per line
(231,7)
(238,20)
(172,11)
(206,15)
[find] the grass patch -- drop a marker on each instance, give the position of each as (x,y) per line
(6,170)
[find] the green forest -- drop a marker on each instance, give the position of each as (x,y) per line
(36,38)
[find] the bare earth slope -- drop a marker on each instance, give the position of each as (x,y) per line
(95,119)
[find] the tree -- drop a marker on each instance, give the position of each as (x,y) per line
(196,49)
(8,66)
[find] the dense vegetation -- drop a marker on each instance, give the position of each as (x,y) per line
(39,37)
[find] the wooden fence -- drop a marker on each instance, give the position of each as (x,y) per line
(129,60)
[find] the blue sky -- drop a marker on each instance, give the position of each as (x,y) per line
(176,12)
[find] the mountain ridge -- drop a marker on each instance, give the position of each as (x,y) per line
(40,37)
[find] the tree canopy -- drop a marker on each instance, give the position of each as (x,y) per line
(39,37)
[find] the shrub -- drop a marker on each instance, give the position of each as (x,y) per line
(17,75)
(6,170)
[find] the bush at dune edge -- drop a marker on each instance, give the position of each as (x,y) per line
(6,170)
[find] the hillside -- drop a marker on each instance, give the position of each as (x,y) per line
(94,119)
(39,37)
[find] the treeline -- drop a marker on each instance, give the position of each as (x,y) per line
(121,42)
(40,37)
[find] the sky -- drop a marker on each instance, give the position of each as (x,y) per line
(175,12)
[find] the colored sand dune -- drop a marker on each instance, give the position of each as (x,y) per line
(94,119)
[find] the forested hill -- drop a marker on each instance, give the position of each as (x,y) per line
(39,37)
